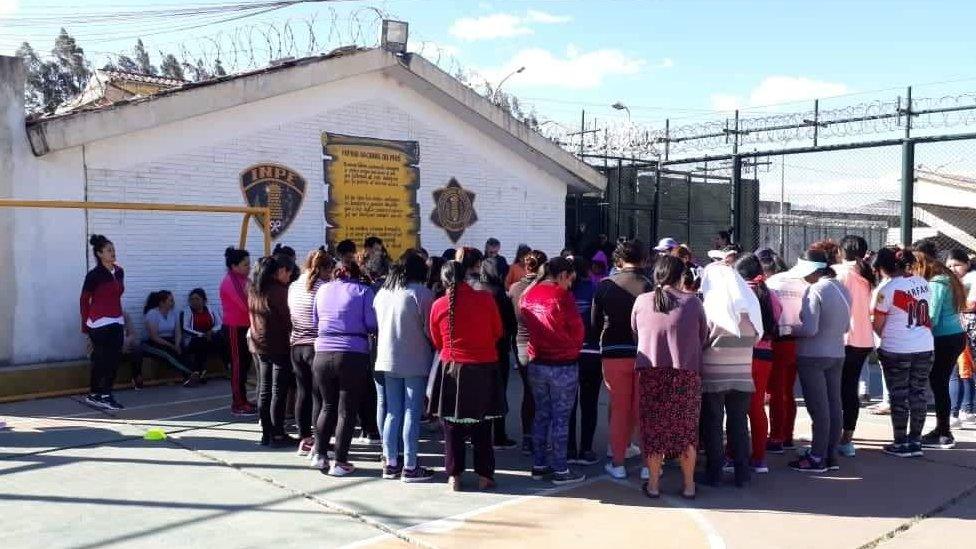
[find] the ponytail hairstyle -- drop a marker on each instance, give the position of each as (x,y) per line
(928,267)
(411,267)
(629,252)
(551,270)
(262,277)
(347,269)
(668,271)
(890,260)
(233,256)
(534,260)
(452,275)
(751,269)
(98,243)
(286,251)
(155,298)
(854,248)
(318,265)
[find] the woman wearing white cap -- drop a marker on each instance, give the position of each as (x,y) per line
(825,318)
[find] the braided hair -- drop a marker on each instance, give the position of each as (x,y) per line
(452,275)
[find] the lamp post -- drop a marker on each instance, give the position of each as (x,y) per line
(621,107)
(498,88)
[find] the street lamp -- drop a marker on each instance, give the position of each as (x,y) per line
(621,107)
(394,36)
(498,88)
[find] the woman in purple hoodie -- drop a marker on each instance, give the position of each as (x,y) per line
(345,319)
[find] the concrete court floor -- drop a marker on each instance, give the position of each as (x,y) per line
(75,477)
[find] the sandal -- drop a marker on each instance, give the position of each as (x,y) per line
(648,493)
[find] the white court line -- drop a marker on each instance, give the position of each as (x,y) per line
(141,407)
(181,416)
(446,524)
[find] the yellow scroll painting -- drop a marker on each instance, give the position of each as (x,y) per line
(372,191)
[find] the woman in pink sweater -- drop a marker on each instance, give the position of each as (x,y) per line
(859,280)
(233,300)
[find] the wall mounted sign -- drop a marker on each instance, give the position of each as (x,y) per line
(279,188)
(453,209)
(372,190)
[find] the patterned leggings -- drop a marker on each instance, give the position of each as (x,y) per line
(554,391)
(907,377)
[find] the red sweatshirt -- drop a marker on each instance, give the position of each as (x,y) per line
(556,331)
(477,327)
(233,300)
(101,295)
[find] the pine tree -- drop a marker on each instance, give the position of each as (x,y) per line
(127,64)
(198,71)
(142,58)
(171,68)
(73,71)
(219,69)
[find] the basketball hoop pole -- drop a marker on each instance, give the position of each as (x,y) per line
(263,214)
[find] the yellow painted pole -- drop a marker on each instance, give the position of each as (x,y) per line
(244,224)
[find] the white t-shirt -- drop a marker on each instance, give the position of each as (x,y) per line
(908,327)
(969,283)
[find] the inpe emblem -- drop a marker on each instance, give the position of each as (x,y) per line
(281,189)
(453,209)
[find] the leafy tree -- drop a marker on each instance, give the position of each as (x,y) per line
(171,68)
(73,71)
(142,60)
(38,89)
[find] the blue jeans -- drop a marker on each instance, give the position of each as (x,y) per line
(404,398)
(962,392)
(554,391)
(379,381)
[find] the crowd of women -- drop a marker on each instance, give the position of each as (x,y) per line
(689,355)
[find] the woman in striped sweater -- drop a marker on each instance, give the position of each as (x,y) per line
(735,324)
(301,300)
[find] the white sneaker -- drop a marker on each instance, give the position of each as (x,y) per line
(617,472)
(633,451)
(340,470)
(319,462)
(968,419)
(955,423)
(645,473)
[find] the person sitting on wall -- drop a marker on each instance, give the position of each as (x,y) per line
(163,334)
(201,329)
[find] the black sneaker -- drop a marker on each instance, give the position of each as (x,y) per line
(505,444)
(112,403)
(916,449)
(540,473)
(192,380)
(935,440)
(832,464)
(586,458)
(899,449)
(774,447)
(567,477)
(789,445)
(392,472)
(417,474)
(809,464)
(96,401)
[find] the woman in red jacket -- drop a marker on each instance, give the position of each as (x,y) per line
(233,300)
(103,321)
(556,335)
(465,395)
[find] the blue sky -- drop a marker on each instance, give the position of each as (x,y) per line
(687,60)
(679,59)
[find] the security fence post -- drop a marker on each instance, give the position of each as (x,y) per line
(907,190)
(737,199)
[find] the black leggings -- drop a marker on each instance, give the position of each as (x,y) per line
(308,401)
(274,381)
(947,351)
(105,357)
(854,358)
(590,381)
(340,379)
(504,372)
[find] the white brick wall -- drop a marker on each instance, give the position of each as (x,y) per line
(516,201)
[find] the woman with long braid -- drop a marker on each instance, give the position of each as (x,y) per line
(465,393)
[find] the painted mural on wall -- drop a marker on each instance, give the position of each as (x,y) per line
(279,188)
(453,209)
(372,190)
